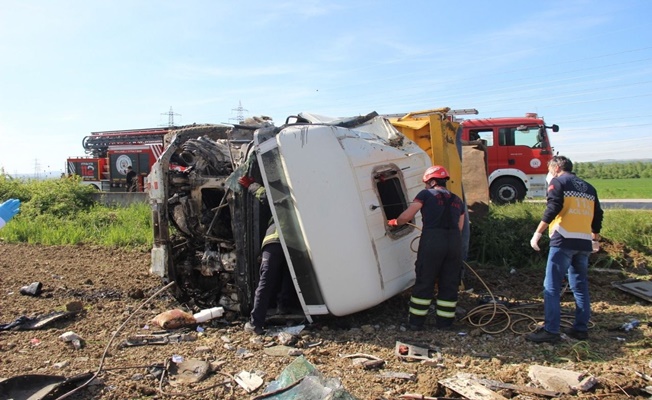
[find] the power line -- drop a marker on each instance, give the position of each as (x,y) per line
(239,118)
(170,115)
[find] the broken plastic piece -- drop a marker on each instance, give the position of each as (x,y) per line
(301,380)
(208,314)
(72,337)
(249,381)
(628,326)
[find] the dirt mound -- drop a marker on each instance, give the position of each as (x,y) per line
(112,284)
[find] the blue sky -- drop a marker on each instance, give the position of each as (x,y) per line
(71,67)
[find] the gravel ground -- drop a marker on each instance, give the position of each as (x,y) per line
(111,287)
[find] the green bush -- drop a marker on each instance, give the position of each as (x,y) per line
(63,212)
(60,197)
(503,237)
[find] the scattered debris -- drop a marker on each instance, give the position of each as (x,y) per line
(25,323)
(33,289)
(470,388)
(628,326)
(216,365)
(399,375)
(644,376)
(249,381)
(72,338)
(292,330)
(189,371)
(411,352)
(158,339)
(493,385)
(244,353)
(286,338)
(208,314)
(39,386)
(365,361)
(278,351)
(301,380)
(414,396)
(295,352)
(173,319)
(561,380)
(637,287)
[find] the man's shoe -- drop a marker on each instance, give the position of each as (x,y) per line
(249,327)
(543,336)
(444,324)
(579,335)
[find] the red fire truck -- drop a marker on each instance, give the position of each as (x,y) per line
(111,152)
(518,151)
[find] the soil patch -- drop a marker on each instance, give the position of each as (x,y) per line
(112,285)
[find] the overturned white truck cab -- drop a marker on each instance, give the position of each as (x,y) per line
(332,184)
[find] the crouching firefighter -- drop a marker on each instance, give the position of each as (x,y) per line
(275,278)
(439,257)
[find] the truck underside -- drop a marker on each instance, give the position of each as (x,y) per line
(208,229)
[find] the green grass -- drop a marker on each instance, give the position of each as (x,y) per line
(640,188)
(62,212)
(107,226)
(503,237)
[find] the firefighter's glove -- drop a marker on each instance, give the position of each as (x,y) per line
(534,242)
(392,222)
(8,210)
(246,181)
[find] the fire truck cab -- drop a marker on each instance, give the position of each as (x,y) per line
(518,151)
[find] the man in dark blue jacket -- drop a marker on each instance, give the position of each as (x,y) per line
(574,218)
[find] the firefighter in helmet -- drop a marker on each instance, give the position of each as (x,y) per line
(439,257)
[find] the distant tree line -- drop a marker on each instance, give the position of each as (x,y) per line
(616,170)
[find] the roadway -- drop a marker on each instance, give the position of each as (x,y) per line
(625,204)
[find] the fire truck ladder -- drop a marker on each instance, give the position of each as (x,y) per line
(98,143)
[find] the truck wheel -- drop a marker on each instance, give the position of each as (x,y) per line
(507,190)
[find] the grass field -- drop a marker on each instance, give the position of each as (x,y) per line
(623,188)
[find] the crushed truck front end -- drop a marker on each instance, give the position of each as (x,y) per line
(332,184)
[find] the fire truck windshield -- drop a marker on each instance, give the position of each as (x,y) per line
(530,136)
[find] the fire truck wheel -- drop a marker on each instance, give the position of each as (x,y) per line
(507,190)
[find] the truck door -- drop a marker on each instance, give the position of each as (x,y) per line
(520,148)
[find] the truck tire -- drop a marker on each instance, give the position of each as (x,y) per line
(507,190)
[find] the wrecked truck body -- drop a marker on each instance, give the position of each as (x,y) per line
(331,186)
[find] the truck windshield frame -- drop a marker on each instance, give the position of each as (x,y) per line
(287,224)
